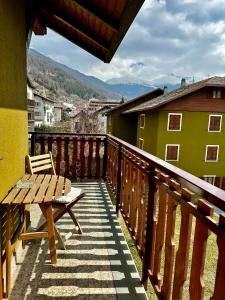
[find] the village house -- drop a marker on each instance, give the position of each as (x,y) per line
(30,105)
(44,110)
(186,128)
(124,126)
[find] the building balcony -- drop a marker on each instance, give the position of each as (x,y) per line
(174,220)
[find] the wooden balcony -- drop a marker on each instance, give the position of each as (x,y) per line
(169,213)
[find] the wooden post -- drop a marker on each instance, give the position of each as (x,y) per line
(8,249)
(149,228)
(104,171)
(32,146)
(1,271)
(118,179)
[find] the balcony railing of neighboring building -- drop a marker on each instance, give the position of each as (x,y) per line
(150,194)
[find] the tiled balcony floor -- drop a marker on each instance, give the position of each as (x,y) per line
(95,265)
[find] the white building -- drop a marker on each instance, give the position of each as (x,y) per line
(44,110)
(30,105)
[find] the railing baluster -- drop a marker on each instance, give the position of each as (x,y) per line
(196,288)
(74,158)
(97,158)
(149,236)
(219,290)
(42,143)
(33,144)
(160,231)
(169,244)
(181,265)
(82,158)
(66,156)
(50,142)
(58,155)
(90,157)
(104,168)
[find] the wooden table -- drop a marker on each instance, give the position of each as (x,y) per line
(45,188)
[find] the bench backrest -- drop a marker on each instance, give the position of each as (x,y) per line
(40,163)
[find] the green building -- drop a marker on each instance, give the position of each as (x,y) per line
(125,126)
(184,127)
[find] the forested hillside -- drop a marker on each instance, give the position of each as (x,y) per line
(63,83)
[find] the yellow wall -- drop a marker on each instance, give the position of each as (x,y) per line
(13,114)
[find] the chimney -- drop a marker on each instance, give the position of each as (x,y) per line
(165,90)
(183,83)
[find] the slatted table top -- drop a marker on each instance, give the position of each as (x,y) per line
(44,188)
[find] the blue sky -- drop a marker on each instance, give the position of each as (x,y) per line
(167,41)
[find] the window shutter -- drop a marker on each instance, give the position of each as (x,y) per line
(172,152)
(214,124)
(223,183)
(174,122)
(217,181)
(211,153)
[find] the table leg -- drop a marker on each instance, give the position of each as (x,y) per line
(51,231)
(61,244)
(8,249)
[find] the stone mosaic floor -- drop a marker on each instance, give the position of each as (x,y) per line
(95,265)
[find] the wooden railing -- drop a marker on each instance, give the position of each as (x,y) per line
(168,212)
(76,155)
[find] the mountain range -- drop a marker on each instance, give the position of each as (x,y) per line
(66,84)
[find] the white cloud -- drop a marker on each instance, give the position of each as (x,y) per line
(185,38)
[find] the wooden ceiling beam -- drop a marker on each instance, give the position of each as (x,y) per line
(97,13)
(79,27)
(39,27)
(74,38)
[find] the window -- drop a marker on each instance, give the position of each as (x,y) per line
(174,122)
(172,152)
(215,122)
(142,121)
(211,153)
(217,93)
(209,178)
(141,144)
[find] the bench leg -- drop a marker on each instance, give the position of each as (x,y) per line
(74,220)
(51,231)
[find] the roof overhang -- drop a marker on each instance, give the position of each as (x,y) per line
(96,26)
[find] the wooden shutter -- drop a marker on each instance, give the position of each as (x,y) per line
(217,181)
(174,122)
(212,153)
(214,124)
(172,152)
(223,183)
